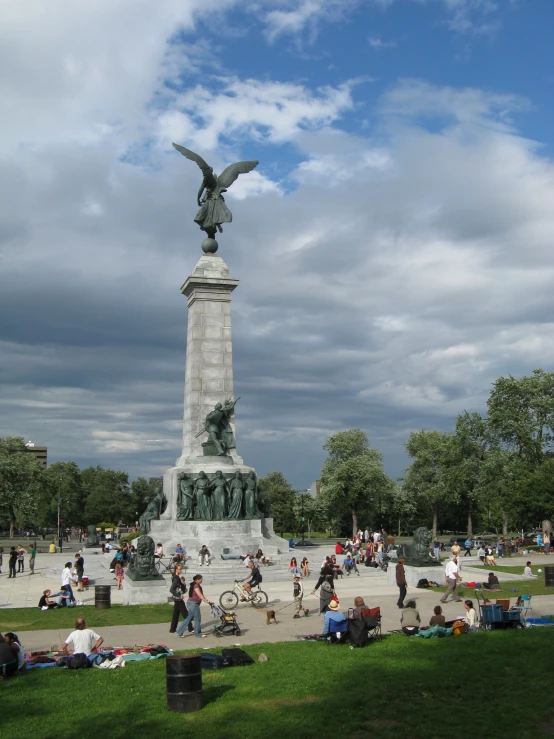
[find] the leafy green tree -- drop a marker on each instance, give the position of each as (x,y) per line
(353,474)
(64,487)
(428,478)
(21,476)
(402,507)
(277,496)
(108,495)
(314,511)
(521,413)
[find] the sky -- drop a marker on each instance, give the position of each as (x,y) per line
(394,245)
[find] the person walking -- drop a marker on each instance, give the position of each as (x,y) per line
(437,548)
(500,547)
(298,594)
(546,542)
(467,547)
(12,561)
(452,578)
(21,558)
(196,597)
(178,592)
(32,558)
(401,582)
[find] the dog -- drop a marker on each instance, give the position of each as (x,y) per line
(270,615)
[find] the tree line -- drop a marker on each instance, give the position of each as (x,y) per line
(30,495)
(492,472)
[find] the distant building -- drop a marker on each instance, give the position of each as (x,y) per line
(39,452)
(314,489)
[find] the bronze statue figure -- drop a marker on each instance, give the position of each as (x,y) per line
(185,498)
(219,496)
(236,492)
(218,426)
(418,554)
(251,496)
(213,211)
(141,566)
(203,498)
(152,512)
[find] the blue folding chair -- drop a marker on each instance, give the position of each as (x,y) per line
(524,605)
(337,632)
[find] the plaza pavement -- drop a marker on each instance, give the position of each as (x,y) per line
(371,584)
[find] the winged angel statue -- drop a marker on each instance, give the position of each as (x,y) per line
(213,211)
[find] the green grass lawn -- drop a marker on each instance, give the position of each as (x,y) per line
(32,619)
(529,587)
(400,687)
(515,569)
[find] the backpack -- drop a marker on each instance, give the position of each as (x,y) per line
(77,661)
(215,661)
(325,585)
(237,657)
(423,583)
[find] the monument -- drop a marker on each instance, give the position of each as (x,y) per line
(419,561)
(142,584)
(210,496)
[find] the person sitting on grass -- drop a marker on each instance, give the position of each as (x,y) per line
(254,579)
(437,619)
(410,619)
(333,615)
(471,616)
(82,639)
(46,602)
(13,640)
(528,572)
(492,583)
(8,658)
(65,597)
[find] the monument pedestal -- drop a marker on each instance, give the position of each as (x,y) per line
(137,592)
(415,574)
(239,537)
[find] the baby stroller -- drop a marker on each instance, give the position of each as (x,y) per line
(228,625)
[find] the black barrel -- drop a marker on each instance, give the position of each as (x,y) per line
(102,596)
(549,576)
(183,676)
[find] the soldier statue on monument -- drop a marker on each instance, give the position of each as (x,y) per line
(218,425)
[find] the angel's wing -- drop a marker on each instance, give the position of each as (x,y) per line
(206,169)
(230,173)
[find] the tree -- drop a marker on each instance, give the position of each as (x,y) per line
(277,495)
(20,480)
(403,506)
(64,489)
(108,497)
(428,477)
(521,413)
(353,473)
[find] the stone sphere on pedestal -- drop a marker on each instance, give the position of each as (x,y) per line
(209,246)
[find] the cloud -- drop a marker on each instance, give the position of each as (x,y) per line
(376,43)
(251,109)
(387,276)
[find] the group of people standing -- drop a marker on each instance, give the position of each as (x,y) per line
(16,559)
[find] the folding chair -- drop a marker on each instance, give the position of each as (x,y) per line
(523,605)
(338,632)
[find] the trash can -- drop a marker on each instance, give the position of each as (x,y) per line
(183,676)
(52,548)
(549,576)
(102,596)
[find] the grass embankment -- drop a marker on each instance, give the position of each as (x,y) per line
(528,587)
(401,687)
(33,619)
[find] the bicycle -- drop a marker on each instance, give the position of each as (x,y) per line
(230,598)
(167,567)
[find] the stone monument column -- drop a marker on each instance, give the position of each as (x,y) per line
(209,365)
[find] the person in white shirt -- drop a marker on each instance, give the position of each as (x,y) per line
(481,554)
(366,535)
(452,578)
(471,616)
(82,639)
(67,579)
(528,572)
(376,537)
